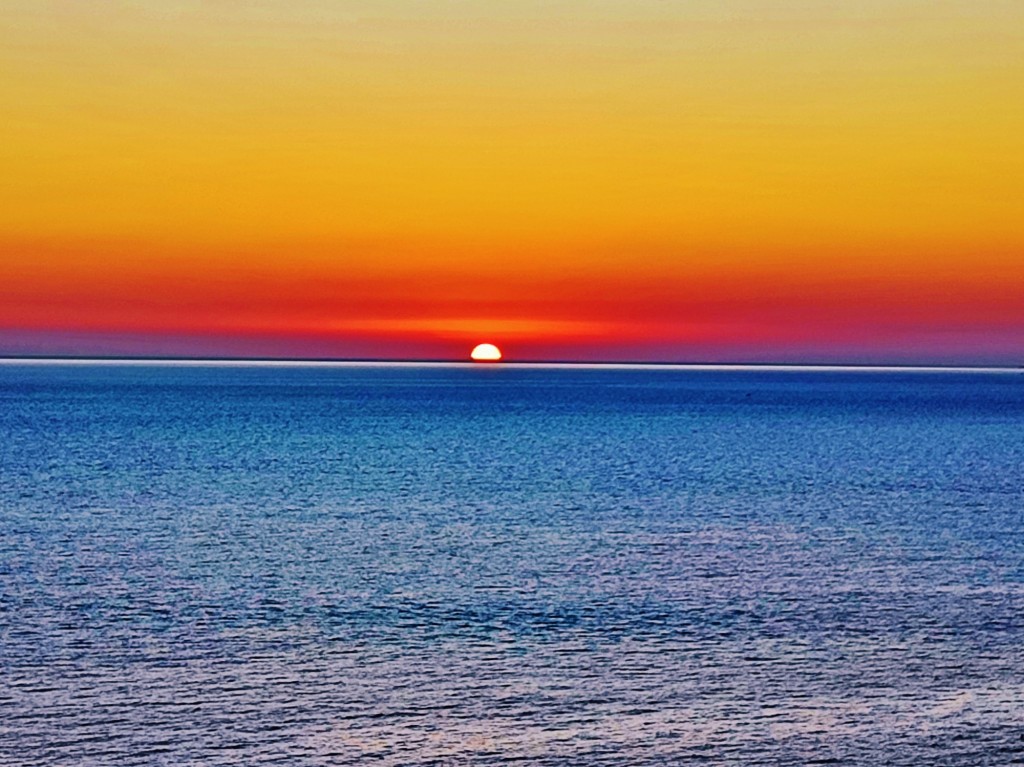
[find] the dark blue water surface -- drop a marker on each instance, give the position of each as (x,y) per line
(491,565)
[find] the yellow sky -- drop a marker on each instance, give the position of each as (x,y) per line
(456,137)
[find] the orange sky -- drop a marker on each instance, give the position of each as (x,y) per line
(763,180)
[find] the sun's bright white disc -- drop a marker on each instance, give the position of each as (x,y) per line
(485,353)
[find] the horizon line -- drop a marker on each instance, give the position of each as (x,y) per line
(531,364)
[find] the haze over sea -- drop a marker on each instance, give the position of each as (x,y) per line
(386,564)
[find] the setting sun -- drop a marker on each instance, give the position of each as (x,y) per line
(485,353)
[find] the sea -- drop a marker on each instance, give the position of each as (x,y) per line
(386,564)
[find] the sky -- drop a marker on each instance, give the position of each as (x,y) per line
(688,180)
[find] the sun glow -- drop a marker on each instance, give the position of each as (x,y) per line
(485,353)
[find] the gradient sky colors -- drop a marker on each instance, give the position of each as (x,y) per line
(805,180)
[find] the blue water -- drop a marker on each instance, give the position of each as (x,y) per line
(491,565)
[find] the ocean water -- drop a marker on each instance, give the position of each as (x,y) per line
(506,565)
